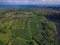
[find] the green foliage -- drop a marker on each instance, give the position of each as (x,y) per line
(1,43)
(34,29)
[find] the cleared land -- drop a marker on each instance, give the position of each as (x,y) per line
(26,27)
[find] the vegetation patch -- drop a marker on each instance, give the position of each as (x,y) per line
(19,27)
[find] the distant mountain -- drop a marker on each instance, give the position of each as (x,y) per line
(29,6)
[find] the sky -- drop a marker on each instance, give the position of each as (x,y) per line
(30,2)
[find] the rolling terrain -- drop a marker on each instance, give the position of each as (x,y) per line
(28,26)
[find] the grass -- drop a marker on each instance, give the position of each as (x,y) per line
(23,33)
(29,30)
(20,24)
(19,41)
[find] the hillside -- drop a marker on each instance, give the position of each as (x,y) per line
(26,27)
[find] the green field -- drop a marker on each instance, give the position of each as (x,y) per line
(28,29)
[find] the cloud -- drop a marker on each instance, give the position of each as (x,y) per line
(50,1)
(19,2)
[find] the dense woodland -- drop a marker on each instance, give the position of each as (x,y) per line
(27,27)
